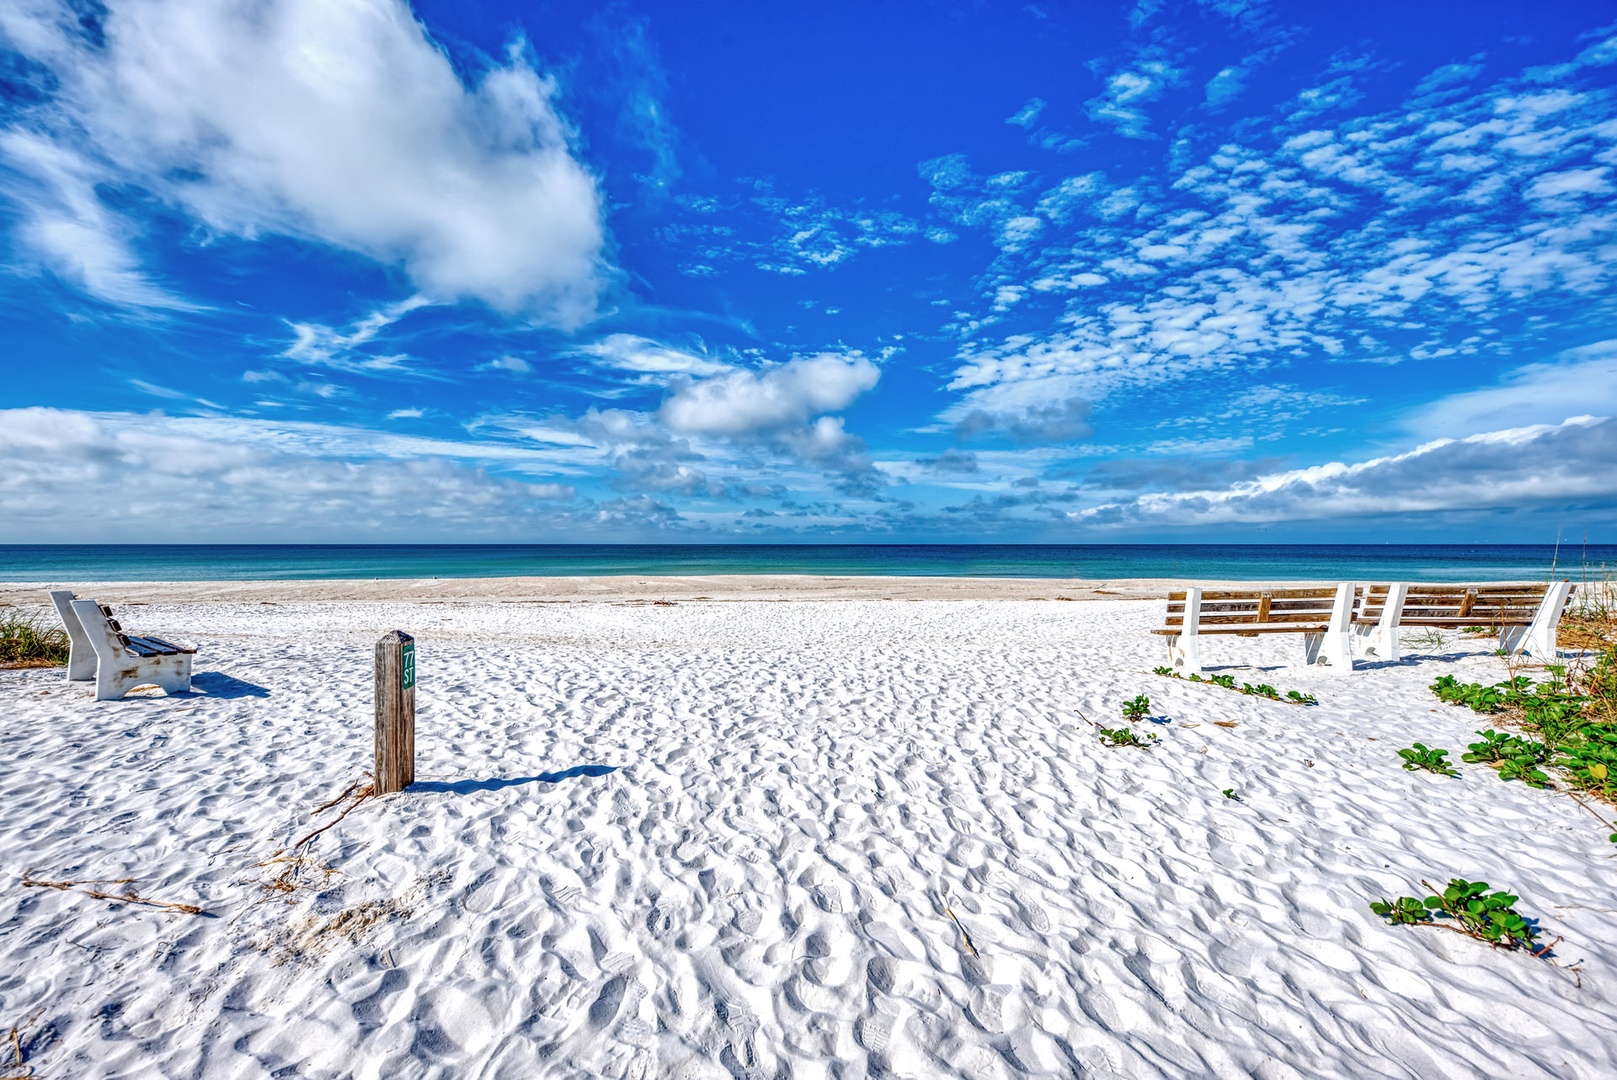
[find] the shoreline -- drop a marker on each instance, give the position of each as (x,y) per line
(619,588)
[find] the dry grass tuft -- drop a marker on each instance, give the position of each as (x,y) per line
(27,641)
(128,896)
(296,872)
(316,936)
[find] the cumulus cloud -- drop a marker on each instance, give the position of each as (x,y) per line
(1566,464)
(773,400)
(338,124)
(1044,421)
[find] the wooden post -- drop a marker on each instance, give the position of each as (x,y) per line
(395,712)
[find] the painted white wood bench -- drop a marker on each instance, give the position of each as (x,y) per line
(1324,616)
(117,661)
(1525,616)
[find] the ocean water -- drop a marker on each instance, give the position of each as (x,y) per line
(1238,562)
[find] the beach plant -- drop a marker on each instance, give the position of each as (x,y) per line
(1229,793)
(1489,916)
(1425,639)
(1137,710)
(1420,756)
(25,640)
(1591,761)
(1516,758)
(1126,737)
(1263,690)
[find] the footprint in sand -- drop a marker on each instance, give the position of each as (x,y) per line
(607,1003)
(1033,916)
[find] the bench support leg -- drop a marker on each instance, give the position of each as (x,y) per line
(80,654)
(1184,648)
(1538,639)
(1332,651)
(1385,642)
(1185,654)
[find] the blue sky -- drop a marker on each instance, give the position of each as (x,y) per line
(1224,270)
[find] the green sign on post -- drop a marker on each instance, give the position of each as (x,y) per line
(407,666)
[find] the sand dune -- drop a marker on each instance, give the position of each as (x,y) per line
(750,838)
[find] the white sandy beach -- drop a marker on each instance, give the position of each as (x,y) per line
(724,837)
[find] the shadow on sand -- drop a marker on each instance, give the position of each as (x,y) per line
(466,787)
(216,684)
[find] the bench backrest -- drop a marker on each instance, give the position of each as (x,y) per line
(1490,605)
(1268,607)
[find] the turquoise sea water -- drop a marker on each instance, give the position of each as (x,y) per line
(1241,562)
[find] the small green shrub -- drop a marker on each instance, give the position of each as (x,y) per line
(1420,756)
(1137,710)
(1125,737)
(1486,916)
(1301,698)
(1226,681)
(1229,793)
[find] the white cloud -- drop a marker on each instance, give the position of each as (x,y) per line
(630,352)
(1406,235)
(1583,381)
(405,414)
(1122,105)
(175,479)
(1515,469)
(1028,113)
(775,399)
(314,343)
(340,124)
(513,364)
(74,235)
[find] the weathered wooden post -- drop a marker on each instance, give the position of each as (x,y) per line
(395,712)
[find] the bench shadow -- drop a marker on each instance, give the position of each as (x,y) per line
(466,787)
(216,684)
(1408,659)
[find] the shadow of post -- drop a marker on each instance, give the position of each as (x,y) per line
(466,787)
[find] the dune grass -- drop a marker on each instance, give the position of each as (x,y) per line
(30,641)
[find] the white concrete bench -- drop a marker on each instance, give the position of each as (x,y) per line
(1323,616)
(101,650)
(1525,616)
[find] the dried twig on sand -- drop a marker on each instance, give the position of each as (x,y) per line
(128,896)
(353,794)
(963,933)
(17,1069)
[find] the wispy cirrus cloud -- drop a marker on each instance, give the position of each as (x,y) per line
(1513,469)
(792,236)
